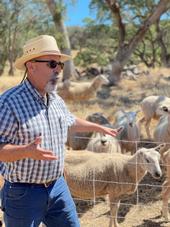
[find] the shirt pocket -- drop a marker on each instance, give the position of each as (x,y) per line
(28,131)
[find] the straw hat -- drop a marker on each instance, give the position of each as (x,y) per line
(40,46)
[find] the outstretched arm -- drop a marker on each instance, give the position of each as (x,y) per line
(87,126)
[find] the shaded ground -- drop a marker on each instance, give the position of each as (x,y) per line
(142,209)
(128,96)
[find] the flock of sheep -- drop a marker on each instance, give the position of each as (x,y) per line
(91,173)
(97,165)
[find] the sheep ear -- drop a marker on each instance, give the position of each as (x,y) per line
(160,147)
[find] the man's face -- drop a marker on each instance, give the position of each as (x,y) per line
(44,75)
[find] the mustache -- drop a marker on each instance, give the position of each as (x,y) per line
(54,75)
(54,78)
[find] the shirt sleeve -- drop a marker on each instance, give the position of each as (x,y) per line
(8,124)
(70,118)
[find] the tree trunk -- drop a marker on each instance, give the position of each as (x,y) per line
(2,66)
(69,68)
(165,57)
(126,50)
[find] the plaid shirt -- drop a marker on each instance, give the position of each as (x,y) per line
(25,116)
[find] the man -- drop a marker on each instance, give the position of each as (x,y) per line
(33,130)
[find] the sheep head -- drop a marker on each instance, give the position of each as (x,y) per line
(163,110)
(149,160)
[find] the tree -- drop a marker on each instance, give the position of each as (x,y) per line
(163,41)
(148,50)
(57,9)
(3,46)
(142,18)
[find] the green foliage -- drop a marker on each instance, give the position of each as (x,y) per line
(90,56)
(95,43)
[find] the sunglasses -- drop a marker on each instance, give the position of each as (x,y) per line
(52,64)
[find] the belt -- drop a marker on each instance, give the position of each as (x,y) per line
(46,185)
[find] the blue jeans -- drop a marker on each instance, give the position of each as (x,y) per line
(27,205)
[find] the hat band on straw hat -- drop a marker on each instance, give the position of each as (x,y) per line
(37,47)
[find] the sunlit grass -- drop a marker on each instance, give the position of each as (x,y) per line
(154,83)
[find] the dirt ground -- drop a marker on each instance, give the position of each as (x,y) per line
(143,208)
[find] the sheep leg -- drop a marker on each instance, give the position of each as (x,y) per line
(147,127)
(165,197)
(114,206)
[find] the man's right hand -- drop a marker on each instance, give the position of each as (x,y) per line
(34,151)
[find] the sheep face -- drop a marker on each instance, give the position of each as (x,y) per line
(103,143)
(131,130)
(103,80)
(150,160)
(127,118)
(131,118)
(163,110)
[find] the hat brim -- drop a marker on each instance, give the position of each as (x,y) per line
(20,62)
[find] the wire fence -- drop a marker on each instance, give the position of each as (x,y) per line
(147,187)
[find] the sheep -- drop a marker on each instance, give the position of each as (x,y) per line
(152,107)
(79,140)
(92,175)
(162,134)
(103,143)
(81,90)
(131,132)
(166,186)
(162,129)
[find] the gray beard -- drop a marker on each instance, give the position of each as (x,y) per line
(52,83)
(50,87)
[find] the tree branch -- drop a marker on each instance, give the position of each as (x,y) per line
(115,9)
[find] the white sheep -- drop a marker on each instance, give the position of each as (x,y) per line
(81,90)
(162,129)
(103,143)
(131,132)
(79,140)
(166,186)
(91,175)
(162,134)
(152,107)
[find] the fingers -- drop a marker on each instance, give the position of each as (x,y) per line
(49,157)
(35,152)
(45,155)
(114,132)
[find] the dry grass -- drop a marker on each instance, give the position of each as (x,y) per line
(7,81)
(127,96)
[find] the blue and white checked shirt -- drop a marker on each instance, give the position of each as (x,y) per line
(24,116)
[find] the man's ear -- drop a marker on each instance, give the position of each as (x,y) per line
(30,66)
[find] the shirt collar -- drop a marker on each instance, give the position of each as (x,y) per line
(36,94)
